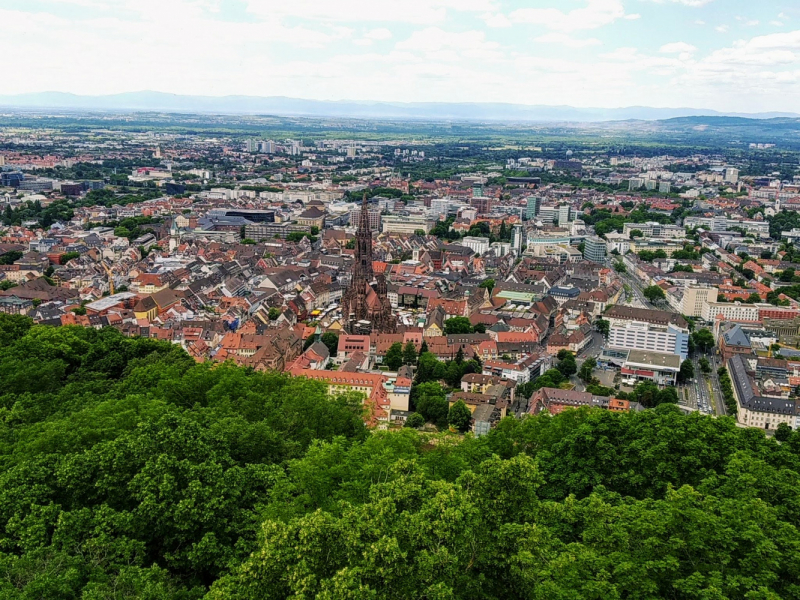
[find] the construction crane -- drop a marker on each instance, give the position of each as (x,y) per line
(110,277)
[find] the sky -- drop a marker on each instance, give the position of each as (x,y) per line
(728,55)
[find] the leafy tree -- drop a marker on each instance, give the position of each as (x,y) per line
(460,417)
(423,348)
(687,371)
(620,267)
(274,313)
(10,257)
(488,284)
(431,403)
(654,293)
(603,326)
(567,365)
(783,432)
(636,233)
(457,325)
(705,366)
(67,256)
(410,354)
(703,339)
(394,356)
(587,369)
(331,340)
(415,421)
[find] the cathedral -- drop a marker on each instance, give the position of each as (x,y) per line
(364,308)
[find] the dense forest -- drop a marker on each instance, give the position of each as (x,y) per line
(128,470)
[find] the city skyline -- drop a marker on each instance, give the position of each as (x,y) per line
(725,55)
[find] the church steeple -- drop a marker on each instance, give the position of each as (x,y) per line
(358,302)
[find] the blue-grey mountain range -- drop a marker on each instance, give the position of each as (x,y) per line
(284,106)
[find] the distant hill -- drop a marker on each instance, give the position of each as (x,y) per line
(280,105)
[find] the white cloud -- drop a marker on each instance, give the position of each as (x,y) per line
(566,40)
(595,14)
(358,11)
(496,20)
(632,17)
(378,34)
(776,23)
(445,45)
(721,28)
(692,3)
(783,16)
(677,47)
(699,22)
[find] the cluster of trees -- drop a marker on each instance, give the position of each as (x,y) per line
(649,395)
(604,221)
(460,325)
(129,471)
(58,210)
(727,390)
(398,355)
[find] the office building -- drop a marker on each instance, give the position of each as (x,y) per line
(406,224)
(251,145)
(730,311)
(638,335)
(731,175)
(565,215)
(594,249)
(690,300)
(479,245)
(518,238)
(532,209)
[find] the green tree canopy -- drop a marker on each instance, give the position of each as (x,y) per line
(460,417)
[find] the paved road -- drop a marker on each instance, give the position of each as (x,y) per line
(719,399)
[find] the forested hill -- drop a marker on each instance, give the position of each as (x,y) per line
(129,471)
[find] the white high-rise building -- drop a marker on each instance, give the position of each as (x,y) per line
(731,175)
(518,237)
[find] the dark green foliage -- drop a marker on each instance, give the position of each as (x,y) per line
(415,421)
(703,339)
(603,326)
(126,466)
(394,356)
(654,293)
(727,391)
(430,401)
(566,363)
(331,340)
(459,417)
(663,506)
(586,370)
(10,257)
(129,471)
(687,371)
(456,325)
(783,432)
(410,354)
